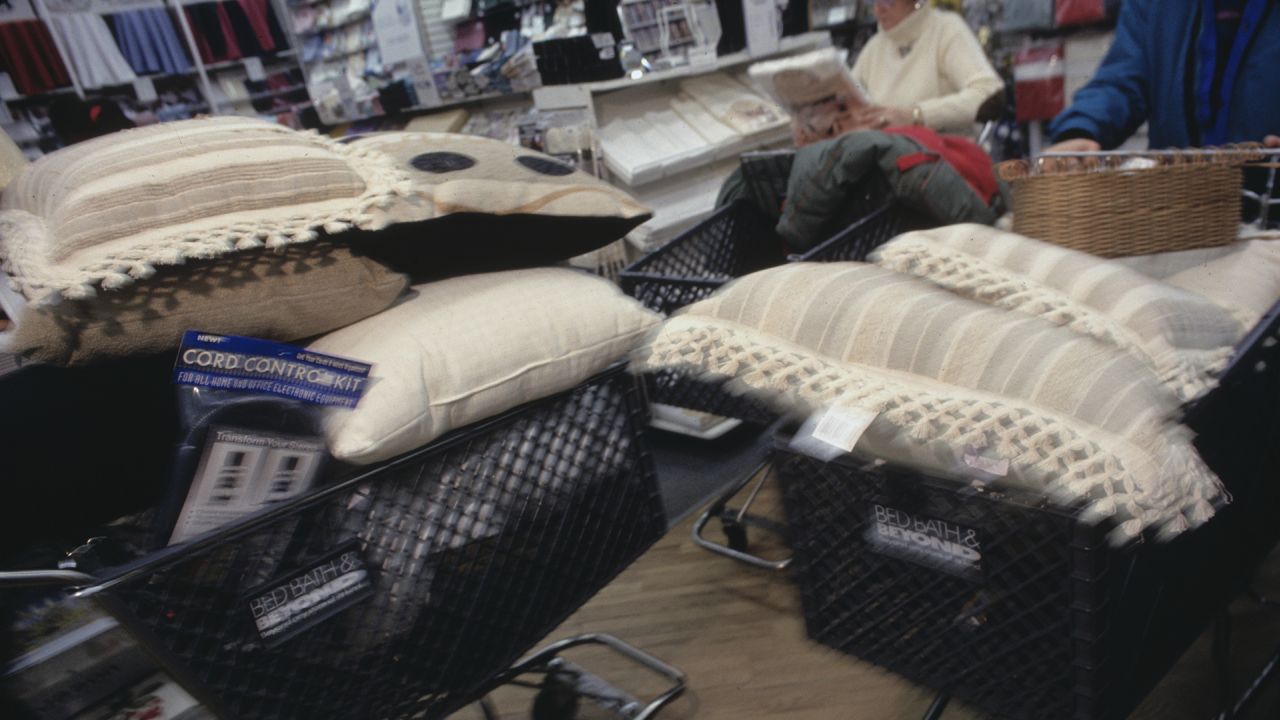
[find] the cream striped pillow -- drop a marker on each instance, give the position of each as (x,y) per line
(1073,416)
(1243,277)
(1184,336)
(105,212)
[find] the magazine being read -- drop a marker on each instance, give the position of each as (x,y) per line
(817,89)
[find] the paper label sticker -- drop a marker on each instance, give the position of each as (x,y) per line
(253,68)
(145,90)
(842,426)
(395,26)
(242,471)
(241,364)
(7,89)
(304,598)
(991,466)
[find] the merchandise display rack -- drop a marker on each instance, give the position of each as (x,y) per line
(200,71)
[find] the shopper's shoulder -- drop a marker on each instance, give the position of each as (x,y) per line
(949,22)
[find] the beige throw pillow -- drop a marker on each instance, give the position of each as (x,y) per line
(298,293)
(1074,417)
(107,212)
(1243,278)
(1184,336)
(467,348)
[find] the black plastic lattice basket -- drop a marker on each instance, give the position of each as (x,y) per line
(454,560)
(736,240)
(1007,601)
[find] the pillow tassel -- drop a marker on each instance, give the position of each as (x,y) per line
(115,281)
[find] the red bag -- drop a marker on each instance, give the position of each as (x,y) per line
(1079,12)
(1039,82)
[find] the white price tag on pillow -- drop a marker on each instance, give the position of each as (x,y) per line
(843,426)
(991,466)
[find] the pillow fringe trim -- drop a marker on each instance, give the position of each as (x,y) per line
(30,275)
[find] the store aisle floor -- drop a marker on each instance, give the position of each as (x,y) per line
(739,636)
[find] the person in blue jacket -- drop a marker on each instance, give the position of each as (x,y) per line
(1201,72)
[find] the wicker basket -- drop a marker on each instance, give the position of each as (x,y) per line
(1187,200)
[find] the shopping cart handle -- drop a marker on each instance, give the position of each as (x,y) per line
(729,552)
(45,578)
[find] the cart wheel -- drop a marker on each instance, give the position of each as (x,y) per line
(736,534)
(557,699)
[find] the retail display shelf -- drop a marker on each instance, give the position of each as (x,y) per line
(676,164)
(266,95)
(807,41)
(796,43)
(267,59)
(357,18)
(340,54)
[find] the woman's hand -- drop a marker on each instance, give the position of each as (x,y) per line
(875,116)
(1075,145)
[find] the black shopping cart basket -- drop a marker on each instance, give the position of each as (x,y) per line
(408,589)
(1029,613)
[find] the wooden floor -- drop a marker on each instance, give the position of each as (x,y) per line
(738,634)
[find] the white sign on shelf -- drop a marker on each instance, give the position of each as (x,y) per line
(764,26)
(7,90)
(455,10)
(12,10)
(424,84)
(253,68)
(397,31)
(145,89)
(700,57)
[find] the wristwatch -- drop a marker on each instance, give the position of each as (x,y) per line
(917,116)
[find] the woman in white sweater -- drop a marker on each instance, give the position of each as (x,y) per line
(924,67)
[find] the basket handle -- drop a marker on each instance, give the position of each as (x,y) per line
(45,578)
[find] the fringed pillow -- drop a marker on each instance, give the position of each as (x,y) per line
(1073,417)
(302,291)
(1243,278)
(105,213)
(490,205)
(1184,336)
(114,246)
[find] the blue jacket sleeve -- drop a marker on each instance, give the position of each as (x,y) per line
(1114,103)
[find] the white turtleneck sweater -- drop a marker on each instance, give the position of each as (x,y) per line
(930,60)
